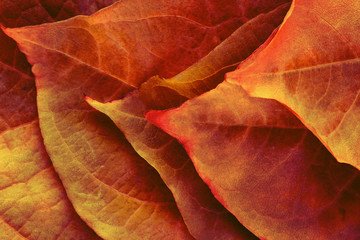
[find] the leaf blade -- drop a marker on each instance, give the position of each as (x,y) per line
(265,166)
(306,74)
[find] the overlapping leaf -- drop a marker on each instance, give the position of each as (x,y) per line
(316,75)
(83,146)
(110,186)
(33,202)
(199,209)
(160,93)
(232,139)
(265,167)
(204,216)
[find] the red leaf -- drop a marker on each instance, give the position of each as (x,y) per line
(134,38)
(265,167)
(201,212)
(84,147)
(204,216)
(311,66)
(110,186)
(160,93)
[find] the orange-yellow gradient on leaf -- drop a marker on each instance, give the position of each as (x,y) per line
(312,66)
(80,157)
(265,166)
(110,186)
(204,216)
(33,203)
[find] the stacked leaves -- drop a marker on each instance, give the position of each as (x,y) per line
(103,133)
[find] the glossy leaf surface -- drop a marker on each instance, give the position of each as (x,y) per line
(316,75)
(265,167)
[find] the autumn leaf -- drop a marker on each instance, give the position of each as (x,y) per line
(253,158)
(204,75)
(203,215)
(165,154)
(143,42)
(31,12)
(110,186)
(265,166)
(33,201)
(316,75)
(153,198)
(73,131)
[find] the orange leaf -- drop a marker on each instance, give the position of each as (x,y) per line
(110,186)
(311,65)
(197,205)
(160,93)
(265,167)
(204,216)
(88,153)
(140,36)
(33,203)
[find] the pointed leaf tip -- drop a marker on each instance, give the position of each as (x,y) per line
(10,32)
(158,118)
(300,70)
(93,103)
(163,120)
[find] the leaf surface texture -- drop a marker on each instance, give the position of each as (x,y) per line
(265,166)
(315,75)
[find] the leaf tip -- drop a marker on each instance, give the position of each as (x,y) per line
(10,32)
(2,27)
(94,104)
(161,119)
(156,117)
(87,98)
